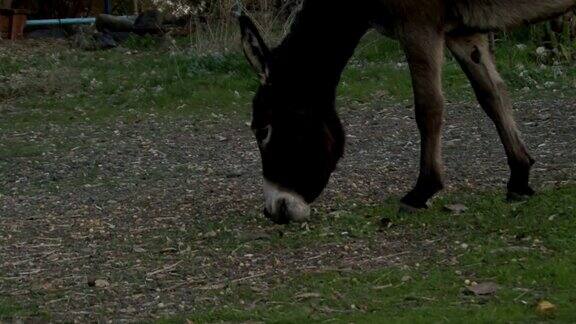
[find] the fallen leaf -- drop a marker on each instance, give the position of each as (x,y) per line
(213,287)
(169,250)
(48,286)
(545,308)
(138,249)
(483,289)
(512,249)
(381,287)
(307,296)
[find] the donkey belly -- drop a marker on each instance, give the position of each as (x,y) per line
(498,14)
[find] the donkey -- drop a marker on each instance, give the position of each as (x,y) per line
(298,131)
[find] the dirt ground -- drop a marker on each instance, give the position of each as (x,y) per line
(143,211)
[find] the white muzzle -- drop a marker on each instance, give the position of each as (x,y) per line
(284,205)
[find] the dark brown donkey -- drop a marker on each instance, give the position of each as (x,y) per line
(294,118)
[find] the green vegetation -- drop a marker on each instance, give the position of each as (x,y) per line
(10,310)
(528,250)
(70,86)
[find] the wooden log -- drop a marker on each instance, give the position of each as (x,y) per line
(112,23)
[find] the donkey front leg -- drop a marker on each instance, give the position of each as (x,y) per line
(425,53)
(474,55)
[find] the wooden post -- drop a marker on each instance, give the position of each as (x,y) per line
(136,7)
(12,23)
(5,4)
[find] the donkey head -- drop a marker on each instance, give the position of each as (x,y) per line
(300,138)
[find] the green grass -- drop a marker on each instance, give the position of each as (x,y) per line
(432,289)
(92,87)
(381,68)
(425,289)
(133,83)
(10,311)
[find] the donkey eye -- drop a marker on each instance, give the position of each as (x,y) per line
(263,134)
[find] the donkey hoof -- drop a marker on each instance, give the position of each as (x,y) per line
(409,206)
(279,220)
(520,195)
(407,209)
(413,203)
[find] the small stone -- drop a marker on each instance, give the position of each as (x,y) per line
(483,289)
(211,234)
(541,51)
(456,209)
(101,283)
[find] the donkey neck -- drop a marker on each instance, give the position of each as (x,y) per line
(322,39)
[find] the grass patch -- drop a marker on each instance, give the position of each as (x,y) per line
(11,312)
(528,249)
(147,78)
(97,87)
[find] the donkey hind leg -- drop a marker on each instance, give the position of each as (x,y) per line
(473,54)
(425,53)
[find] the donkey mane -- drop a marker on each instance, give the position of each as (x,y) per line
(311,58)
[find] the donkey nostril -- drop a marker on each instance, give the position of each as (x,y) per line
(282,212)
(282,206)
(281,217)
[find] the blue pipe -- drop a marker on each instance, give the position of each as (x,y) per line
(61,22)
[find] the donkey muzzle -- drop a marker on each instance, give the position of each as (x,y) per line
(284,206)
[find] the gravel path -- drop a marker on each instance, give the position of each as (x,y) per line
(131,202)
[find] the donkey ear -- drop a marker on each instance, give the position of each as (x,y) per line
(255,48)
